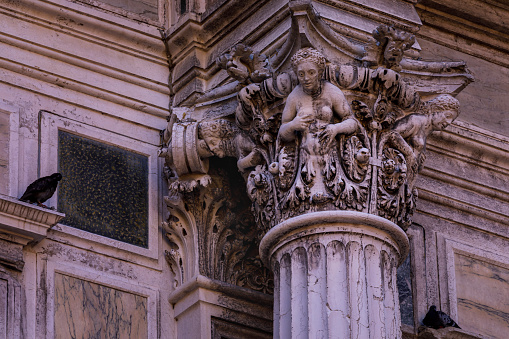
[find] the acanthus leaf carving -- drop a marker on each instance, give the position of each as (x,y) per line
(318,136)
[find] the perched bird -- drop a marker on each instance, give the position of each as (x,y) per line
(42,189)
(438,319)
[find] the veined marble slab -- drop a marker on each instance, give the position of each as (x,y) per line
(84,309)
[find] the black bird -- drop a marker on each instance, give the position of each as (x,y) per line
(42,189)
(438,319)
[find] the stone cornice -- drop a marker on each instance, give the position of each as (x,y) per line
(492,15)
(23,223)
(473,144)
(448,23)
(104,67)
(89,23)
(478,197)
(200,281)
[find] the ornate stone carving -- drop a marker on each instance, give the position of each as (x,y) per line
(387,47)
(212,232)
(314,132)
(304,146)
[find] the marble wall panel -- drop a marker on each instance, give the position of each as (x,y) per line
(10,307)
(482,296)
(3,308)
(404,281)
(87,310)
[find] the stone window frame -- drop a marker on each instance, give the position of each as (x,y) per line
(48,157)
(13,113)
(451,248)
(104,279)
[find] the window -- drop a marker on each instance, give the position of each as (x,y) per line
(104,189)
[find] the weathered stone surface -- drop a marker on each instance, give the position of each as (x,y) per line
(143,8)
(484,102)
(97,65)
(479,286)
(85,309)
(404,282)
(319,135)
(12,307)
(446,333)
(4,152)
(336,275)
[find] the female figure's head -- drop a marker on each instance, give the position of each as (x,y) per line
(309,65)
(444,109)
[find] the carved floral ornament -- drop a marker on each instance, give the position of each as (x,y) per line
(321,135)
(303,145)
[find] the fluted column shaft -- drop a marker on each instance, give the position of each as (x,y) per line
(335,275)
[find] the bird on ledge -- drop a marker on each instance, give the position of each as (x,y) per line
(438,319)
(41,189)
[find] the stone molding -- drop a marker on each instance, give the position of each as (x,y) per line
(200,281)
(12,306)
(318,222)
(446,333)
(202,304)
(24,221)
(450,24)
(121,84)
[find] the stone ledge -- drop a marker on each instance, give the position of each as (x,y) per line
(200,281)
(21,222)
(203,305)
(446,333)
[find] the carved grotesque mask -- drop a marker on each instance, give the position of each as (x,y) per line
(393,52)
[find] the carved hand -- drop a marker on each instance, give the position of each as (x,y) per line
(328,135)
(302,122)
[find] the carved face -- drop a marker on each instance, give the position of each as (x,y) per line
(393,52)
(441,120)
(309,76)
(214,145)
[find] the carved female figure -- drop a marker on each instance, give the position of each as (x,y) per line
(409,134)
(316,112)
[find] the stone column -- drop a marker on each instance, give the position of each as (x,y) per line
(335,275)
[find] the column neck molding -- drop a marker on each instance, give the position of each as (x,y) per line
(332,222)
